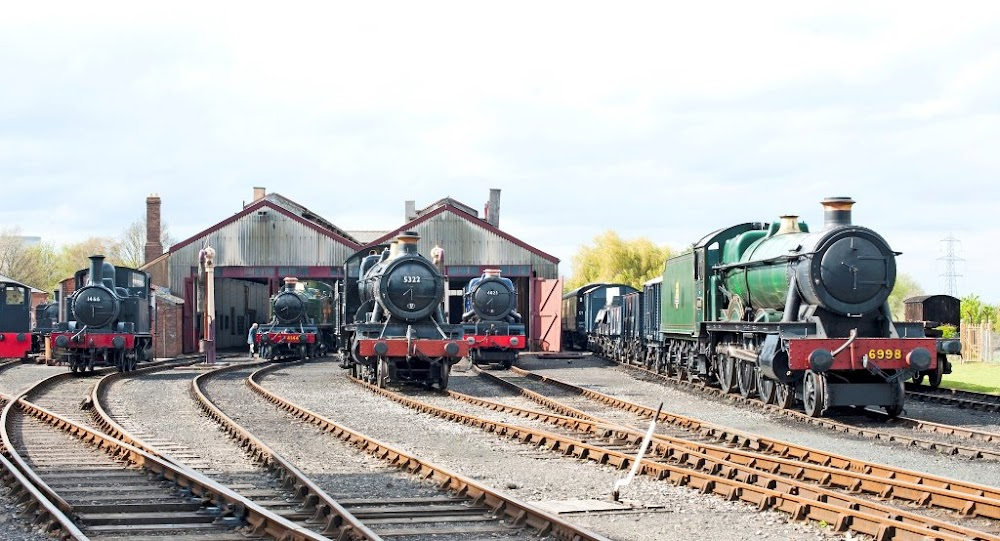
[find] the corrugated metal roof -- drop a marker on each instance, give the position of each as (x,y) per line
(365,237)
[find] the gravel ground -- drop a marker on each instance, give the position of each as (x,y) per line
(532,475)
(19,377)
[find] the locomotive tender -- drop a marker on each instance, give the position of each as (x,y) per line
(301,323)
(110,321)
(15,320)
(394,330)
(493,328)
(779,312)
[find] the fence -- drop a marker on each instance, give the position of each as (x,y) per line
(979,341)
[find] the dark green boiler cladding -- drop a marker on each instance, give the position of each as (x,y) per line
(843,268)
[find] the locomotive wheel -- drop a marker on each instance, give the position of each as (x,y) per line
(747,379)
(726,372)
(896,408)
(765,387)
(445,372)
(784,395)
(382,377)
(814,394)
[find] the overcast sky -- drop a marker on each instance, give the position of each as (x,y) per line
(658,119)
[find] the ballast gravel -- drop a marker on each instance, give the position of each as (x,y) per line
(654,510)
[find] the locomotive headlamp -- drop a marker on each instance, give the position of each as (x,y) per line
(451,348)
(820,360)
(919,359)
(471,340)
(514,341)
(381,348)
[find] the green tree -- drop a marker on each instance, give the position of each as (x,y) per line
(975,311)
(906,287)
(611,259)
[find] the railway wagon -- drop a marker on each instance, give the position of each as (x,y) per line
(301,324)
(784,314)
(110,319)
(491,324)
(933,311)
(580,308)
(15,320)
(394,330)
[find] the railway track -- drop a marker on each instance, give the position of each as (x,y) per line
(766,481)
(946,439)
(954,397)
(442,505)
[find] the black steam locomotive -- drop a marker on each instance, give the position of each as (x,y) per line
(110,320)
(394,329)
(776,312)
(301,323)
(493,328)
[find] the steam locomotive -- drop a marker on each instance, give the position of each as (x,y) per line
(301,323)
(111,313)
(394,329)
(15,320)
(778,312)
(493,328)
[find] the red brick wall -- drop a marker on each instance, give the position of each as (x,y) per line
(167,329)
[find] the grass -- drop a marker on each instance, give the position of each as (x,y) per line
(977,377)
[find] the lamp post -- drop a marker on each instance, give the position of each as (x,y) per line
(206,258)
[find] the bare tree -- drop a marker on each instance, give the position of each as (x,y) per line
(130,249)
(13,251)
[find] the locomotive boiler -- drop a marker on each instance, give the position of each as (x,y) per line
(301,324)
(111,319)
(398,333)
(493,328)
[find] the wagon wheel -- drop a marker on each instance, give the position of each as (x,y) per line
(934,378)
(814,394)
(765,387)
(747,378)
(784,395)
(382,376)
(726,372)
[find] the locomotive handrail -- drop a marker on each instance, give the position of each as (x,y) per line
(850,340)
(762,262)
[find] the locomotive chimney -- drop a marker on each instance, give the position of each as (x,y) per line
(789,224)
(408,242)
(836,211)
(493,208)
(258,193)
(96,276)
(290,282)
(154,248)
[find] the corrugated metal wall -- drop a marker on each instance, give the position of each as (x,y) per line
(264,238)
(238,304)
(466,243)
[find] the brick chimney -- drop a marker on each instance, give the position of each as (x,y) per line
(258,193)
(154,248)
(493,208)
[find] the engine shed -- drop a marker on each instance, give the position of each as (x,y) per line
(272,237)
